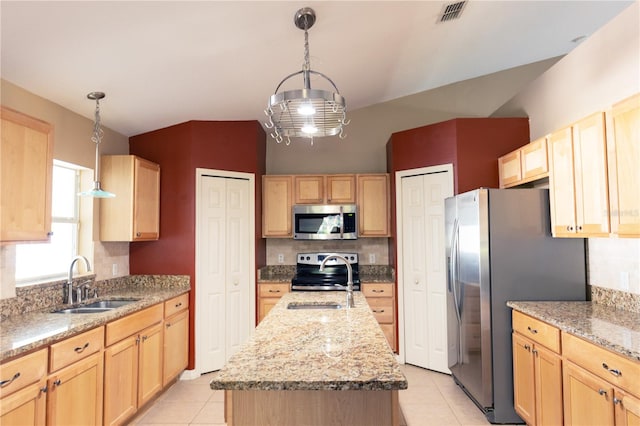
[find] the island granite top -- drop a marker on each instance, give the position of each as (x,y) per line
(614,329)
(314,349)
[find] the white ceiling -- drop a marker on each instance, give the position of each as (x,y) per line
(166,62)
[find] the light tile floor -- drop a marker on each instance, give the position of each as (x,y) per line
(433,399)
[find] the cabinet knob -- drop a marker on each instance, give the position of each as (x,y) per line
(569,228)
(168,325)
(602,392)
(50,234)
(379,311)
(527,347)
(57,382)
(534,351)
(138,234)
(532,330)
(44,389)
(274,291)
(377,291)
(617,401)
(579,227)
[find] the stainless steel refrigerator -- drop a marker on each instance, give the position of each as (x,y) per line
(499,248)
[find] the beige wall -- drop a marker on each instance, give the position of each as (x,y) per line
(604,69)
(72,144)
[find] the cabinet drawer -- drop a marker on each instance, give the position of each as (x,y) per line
(377,289)
(273,290)
(536,330)
(16,374)
(382,309)
(133,323)
(176,304)
(615,369)
(76,348)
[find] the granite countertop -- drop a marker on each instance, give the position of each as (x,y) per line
(314,349)
(614,329)
(22,333)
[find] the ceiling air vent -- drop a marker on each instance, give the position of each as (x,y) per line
(452,11)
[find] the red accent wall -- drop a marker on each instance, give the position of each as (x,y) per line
(472,145)
(225,145)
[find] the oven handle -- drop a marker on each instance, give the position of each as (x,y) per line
(341,223)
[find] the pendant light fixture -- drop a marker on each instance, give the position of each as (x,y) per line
(306,113)
(97,191)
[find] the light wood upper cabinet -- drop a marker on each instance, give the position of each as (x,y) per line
(373,205)
(26,167)
(324,189)
(134,213)
(578,179)
(341,189)
(524,165)
(623,154)
(277,196)
(308,189)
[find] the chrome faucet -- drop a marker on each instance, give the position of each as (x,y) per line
(69,285)
(350,303)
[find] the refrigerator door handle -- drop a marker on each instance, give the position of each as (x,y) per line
(454,268)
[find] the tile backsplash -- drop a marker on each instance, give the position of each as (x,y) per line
(376,249)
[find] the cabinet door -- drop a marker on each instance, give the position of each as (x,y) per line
(588,400)
(75,393)
(276,206)
(524,379)
(509,170)
(146,195)
(373,205)
(534,160)
(308,189)
(623,155)
(121,381)
(176,346)
(26,171)
(149,363)
(627,409)
(561,185)
(341,189)
(25,407)
(548,384)
(592,192)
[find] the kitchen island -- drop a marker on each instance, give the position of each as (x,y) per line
(313,367)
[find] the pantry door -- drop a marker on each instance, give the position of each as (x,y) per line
(225,282)
(422,266)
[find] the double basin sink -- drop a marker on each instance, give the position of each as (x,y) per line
(97,307)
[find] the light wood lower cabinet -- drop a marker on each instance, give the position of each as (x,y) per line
(269,293)
(75,383)
(23,384)
(537,371)
(176,337)
(133,363)
(381,300)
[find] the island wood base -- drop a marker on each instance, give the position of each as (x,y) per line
(312,407)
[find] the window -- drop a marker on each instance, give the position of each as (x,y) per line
(41,261)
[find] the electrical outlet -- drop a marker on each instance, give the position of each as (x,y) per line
(624,280)
(281,258)
(372,258)
(114,269)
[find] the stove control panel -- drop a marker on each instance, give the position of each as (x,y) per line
(317,258)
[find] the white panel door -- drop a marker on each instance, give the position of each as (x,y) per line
(424,269)
(237,265)
(223,298)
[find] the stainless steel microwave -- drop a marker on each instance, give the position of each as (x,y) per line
(325,222)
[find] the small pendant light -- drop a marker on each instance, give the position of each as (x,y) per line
(97,191)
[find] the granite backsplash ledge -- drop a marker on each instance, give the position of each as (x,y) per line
(284,273)
(614,298)
(39,297)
